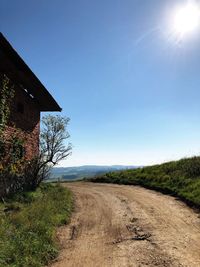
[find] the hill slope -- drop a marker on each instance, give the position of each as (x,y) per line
(180,178)
(73,173)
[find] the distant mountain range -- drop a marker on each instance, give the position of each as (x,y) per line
(76,173)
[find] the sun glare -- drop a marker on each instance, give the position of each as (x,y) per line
(186,19)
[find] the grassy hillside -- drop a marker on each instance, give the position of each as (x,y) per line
(28,223)
(180,178)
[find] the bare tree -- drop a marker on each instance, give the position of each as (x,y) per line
(52,140)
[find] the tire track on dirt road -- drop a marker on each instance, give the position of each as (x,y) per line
(116,225)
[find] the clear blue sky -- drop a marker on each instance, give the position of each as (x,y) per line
(132,93)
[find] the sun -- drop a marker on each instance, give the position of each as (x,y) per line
(186,19)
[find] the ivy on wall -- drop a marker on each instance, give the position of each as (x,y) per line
(7,95)
(11,149)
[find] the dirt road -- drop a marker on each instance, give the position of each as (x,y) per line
(128,226)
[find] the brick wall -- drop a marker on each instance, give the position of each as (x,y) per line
(24,115)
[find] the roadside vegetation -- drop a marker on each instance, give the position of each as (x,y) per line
(28,224)
(179,178)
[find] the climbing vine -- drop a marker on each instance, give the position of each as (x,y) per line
(12,161)
(6,97)
(11,148)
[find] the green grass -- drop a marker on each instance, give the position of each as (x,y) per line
(28,224)
(179,178)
